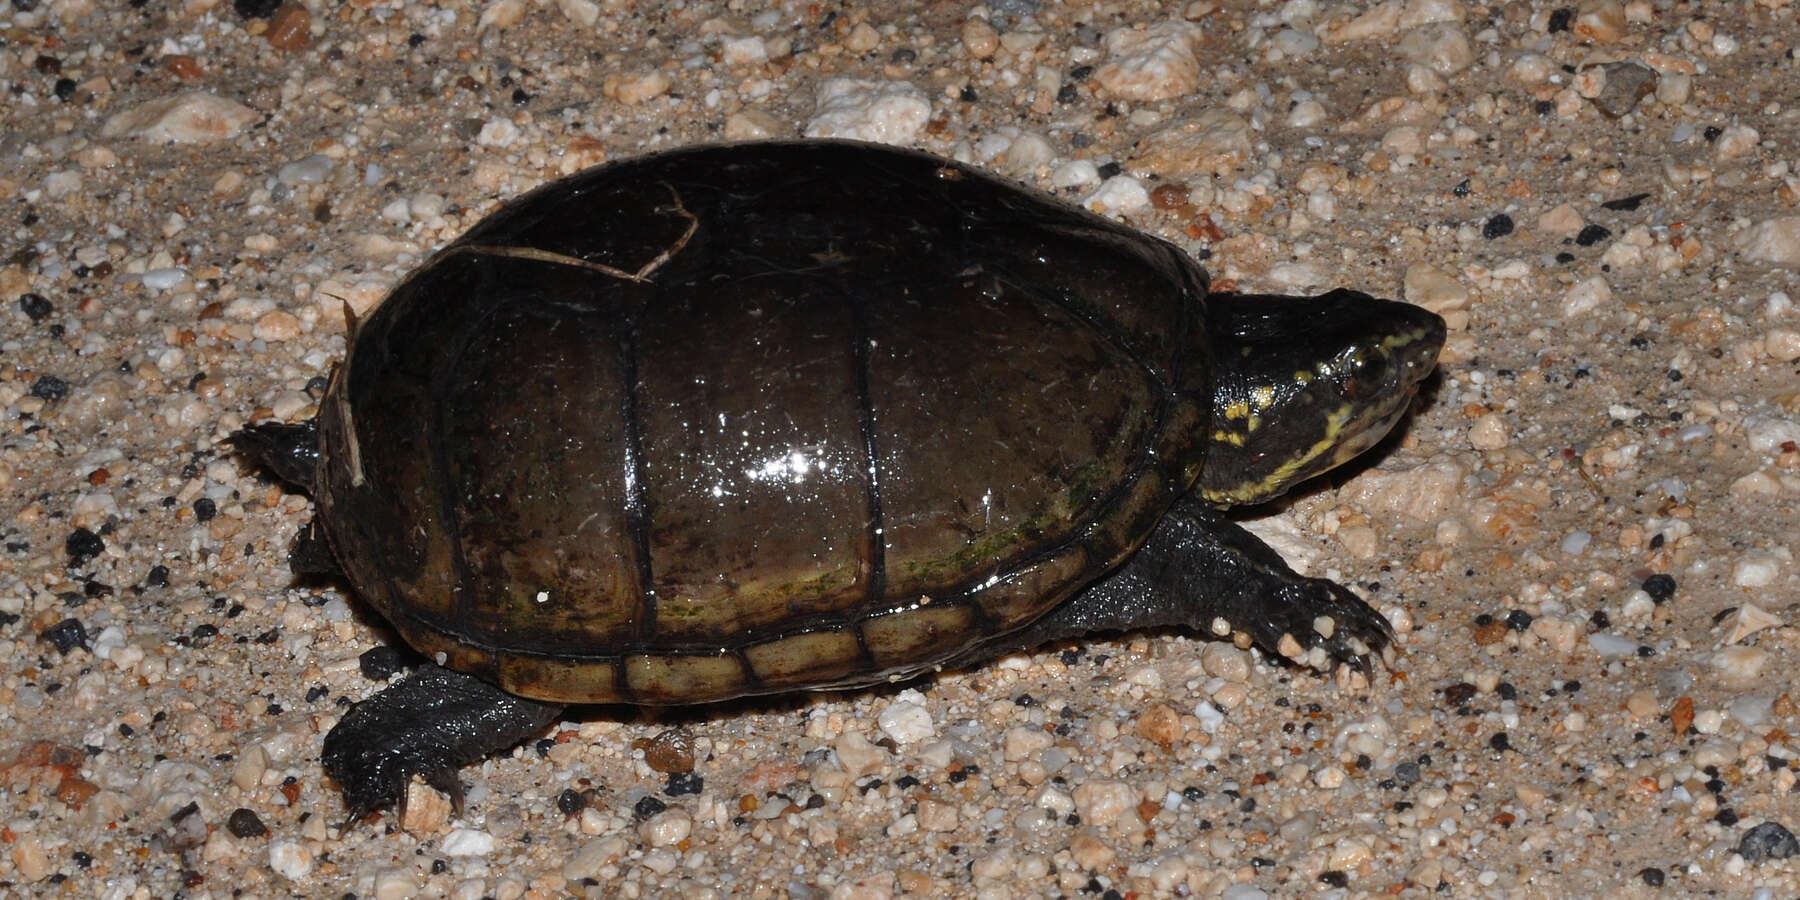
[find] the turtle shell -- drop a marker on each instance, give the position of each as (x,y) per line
(753,418)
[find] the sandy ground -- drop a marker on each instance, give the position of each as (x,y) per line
(1584,536)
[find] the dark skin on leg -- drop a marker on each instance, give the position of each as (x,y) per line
(437,721)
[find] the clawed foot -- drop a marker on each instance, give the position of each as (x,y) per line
(1317,623)
(430,725)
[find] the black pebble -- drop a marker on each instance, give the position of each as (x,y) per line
(256,9)
(1770,840)
(1660,587)
(1652,876)
(1626,204)
(66,635)
(245,823)
(50,388)
(1500,742)
(1334,878)
(1560,19)
(83,545)
(36,306)
(205,509)
(64,89)
(1518,620)
(684,783)
(1499,226)
(158,577)
(570,802)
(647,807)
(1592,234)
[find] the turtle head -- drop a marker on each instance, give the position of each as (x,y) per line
(1302,385)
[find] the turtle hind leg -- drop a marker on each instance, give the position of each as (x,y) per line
(1201,571)
(291,452)
(430,725)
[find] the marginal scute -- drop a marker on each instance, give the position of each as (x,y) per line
(803,658)
(671,678)
(900,639)
(1031,590)
(562,681)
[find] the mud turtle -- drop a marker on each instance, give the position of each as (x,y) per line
(746,419)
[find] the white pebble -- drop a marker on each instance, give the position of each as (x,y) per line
(1755,569)
(1075,173)
(666,828)
(468,842)
(744,51)
(187,118)
(1751,710)
(394,884)
(906,722)
(312,169)
(1608,644)
(1306,114)
(892,112)
(1772,241)
(1586,297)
(497,132)
(1120,194)
(290,860)
(1210,716)
(1154,63)
(1021,742)
(1766,434)
(590,858)
(1576,542)
(1103,801)
(163,279)
(1488,432)
(1782,344)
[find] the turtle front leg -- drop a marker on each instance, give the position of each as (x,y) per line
(431,725)
(1200,570)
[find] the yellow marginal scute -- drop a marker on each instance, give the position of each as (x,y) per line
(804,658)
(674,678)
(916,635)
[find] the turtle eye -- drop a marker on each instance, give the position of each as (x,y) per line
(1368,374)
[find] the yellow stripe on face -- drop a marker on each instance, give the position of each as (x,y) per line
(1284,475)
